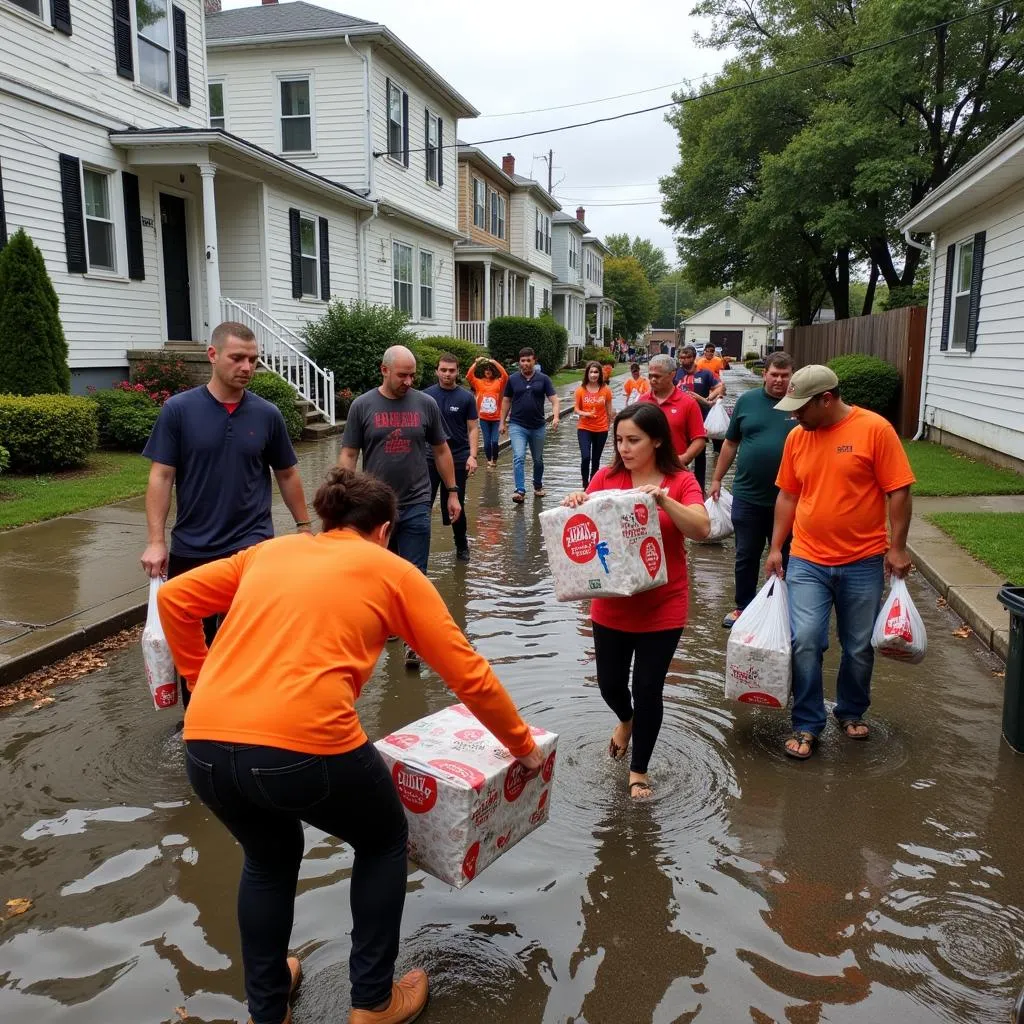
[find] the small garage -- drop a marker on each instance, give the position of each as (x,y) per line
(730,325)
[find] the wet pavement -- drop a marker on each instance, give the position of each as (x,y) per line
(876,882)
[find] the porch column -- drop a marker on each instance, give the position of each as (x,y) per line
(505,307)
(487,294)
(207,172)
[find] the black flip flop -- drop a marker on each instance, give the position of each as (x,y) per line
(802,738)
(845,723)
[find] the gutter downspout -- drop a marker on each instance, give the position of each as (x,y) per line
(371,184)
(922,427)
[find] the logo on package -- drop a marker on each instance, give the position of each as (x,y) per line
(469,861)
(166,696)
(897,624)
(650,553)
(580,538)
(469,775)
(402,740)
(515,781)
(418,792)
(641,513)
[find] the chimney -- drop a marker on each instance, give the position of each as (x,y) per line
(508,164)
(211,6)
(268,3)
(581,214)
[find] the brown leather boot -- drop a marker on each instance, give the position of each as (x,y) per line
(408,1000)
(295,970)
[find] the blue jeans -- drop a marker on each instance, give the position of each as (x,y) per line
(410,536)
(521,437)
(490,430)
(855,589)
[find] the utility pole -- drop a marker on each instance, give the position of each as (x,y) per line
(551,169)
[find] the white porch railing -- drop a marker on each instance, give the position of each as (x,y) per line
(472,330)
(281,353)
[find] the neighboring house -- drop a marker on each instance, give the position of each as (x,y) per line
(347,100)
(570,294)
(601,308)
(730,325)
(661,341)
(972,393)
(532,212)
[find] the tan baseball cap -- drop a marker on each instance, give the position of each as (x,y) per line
(806,384)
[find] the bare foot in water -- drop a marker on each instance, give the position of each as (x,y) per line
(619,743)
(639,787)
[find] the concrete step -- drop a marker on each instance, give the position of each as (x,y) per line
(186,346)
(316,431)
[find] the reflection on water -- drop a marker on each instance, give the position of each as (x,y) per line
(877,882)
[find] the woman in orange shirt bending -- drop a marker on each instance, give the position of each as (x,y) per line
(487,378)
(593,405)
(272,737)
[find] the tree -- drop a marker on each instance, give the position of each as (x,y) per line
(643,250)
(33,350)
(635,297)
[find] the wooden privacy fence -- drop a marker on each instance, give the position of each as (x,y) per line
(896,336)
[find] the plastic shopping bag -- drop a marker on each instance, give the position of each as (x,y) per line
(717,422)
(720,514)
(899,632)
(156,655)
(758,663)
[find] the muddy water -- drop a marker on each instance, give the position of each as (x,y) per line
(877,882)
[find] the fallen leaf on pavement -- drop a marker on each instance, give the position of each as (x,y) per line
(17,906)
(999,675)
(963,632)
(42,702)
(941,603)
(181,1012)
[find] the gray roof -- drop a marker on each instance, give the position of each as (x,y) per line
(568,218)
(278,19)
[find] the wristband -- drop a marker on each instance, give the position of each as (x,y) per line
(307,522)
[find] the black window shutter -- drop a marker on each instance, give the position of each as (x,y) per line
(325,261)
(60,15)
(74,226)
(181,79)
(123,39)
(405,128)
(296,247)
(975,303)
(387,116)
(426,144)
(947,297)
(3,214)
(440,151)
(133,226)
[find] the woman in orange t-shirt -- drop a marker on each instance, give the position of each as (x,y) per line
(487,378)
(635,385)
(606,372)
(593,405)
(272,737)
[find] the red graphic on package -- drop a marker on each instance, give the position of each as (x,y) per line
(166,696)
(471,776)
(469,735)
(515,781)
(580,538)
(641,513)
(897,624)
(650,552)
(469,861)
(417,791)
(402,740)
(549,767)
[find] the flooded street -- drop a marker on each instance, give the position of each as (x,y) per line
(874,883)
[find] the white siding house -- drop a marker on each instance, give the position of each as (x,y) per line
(730,325)
(594,252)
(532,239)
(570,294)
(972,395)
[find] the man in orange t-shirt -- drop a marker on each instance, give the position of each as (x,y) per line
(635,385)
(837,475)
(709,361)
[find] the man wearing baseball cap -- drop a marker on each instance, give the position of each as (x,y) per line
(836,474)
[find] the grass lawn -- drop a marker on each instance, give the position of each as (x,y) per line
(566,377)
(106,477)
(992,537)
(942,471)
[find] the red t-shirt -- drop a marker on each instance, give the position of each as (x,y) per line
(663,607)
(231,406)
(684,417)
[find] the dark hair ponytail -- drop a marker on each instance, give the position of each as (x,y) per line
(350,498)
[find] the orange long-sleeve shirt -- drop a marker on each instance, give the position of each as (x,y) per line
(308,617)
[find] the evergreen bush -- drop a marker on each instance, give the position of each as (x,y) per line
(5,458)
(557,346)
(47,432)
(125,417)
(867,381)
(466,352)
(278,391)
(33,350)
(601,355)
(506,335)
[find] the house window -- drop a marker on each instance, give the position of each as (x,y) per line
(433,148)
(296,116)
(574,252)
(32,6)
(217,119)
(547,300)
(962,281)
(542,233)
(426,286)
(497,215)
(401,271)
(153,32)
(99,223)
(310,261)
(479,201)
(398,108)
(532,293)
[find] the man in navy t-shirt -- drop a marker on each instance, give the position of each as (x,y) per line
(706,388)
(216,446)
(522,416)
(458,412)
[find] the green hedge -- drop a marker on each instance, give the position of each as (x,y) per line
(278,391)
(601,355)
(5,458)
(506,335)
(464,351)
(47,432)
(867,381)
(427,357)
(558,345)
(125,418)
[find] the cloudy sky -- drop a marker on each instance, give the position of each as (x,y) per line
(549,54)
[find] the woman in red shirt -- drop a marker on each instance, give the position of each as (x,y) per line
(644,630)
(487,378)
(593,405)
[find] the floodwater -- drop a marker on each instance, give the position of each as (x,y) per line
(876,882)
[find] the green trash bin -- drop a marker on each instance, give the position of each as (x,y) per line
(1012,598)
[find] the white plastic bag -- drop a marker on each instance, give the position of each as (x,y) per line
(758,657)
(156,655)
(720,514)
(717,422)
(899,632)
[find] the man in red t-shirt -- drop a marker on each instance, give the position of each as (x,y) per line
(684,415)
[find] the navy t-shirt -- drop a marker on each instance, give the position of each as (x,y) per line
(458,407)
(528,398)
(222,465)
(700,382)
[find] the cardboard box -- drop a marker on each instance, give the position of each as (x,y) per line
(466,798)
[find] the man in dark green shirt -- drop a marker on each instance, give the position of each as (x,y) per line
(758,432)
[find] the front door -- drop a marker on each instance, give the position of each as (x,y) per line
(729,342)
(175,252)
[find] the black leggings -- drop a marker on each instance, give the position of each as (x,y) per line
(591,446)
(650,655)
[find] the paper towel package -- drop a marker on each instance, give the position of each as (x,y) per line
(467,799)
(611,546)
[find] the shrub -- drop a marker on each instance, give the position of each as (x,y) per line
(350,339)
(426,362)
(161,377)
(751,354)
(558,344)
(506,335)
(33,351)
(46,432)
(125,416)
(867,381)
(342,403)
(5,458)
(466,352)
(278,391)
(602,355)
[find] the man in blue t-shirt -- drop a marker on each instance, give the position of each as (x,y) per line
(522,416)
(459,415)
(216,446)
(706,388)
